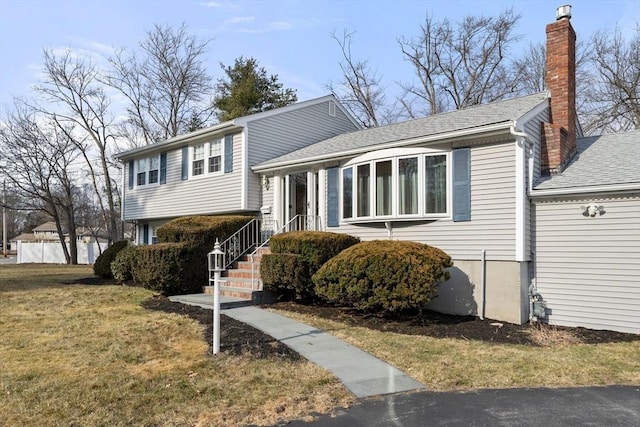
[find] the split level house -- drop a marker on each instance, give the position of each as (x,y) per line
(540,221)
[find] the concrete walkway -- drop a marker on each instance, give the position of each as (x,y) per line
(363,374)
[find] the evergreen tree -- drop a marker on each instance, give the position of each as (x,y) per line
(247,89)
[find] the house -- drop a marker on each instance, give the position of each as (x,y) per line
(508,189)
(208,171)
(541,222)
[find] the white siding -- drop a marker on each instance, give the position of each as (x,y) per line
(197,196)
(492,225)
(588,268)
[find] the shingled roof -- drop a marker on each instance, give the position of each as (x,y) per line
(472,118)
(604,160)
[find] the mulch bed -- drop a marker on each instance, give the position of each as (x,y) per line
(239,338)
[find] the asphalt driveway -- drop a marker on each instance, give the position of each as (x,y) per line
(589,406)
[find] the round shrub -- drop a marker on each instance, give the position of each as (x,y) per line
(201,230)
(123,265)
(383,276)
(102,266)
(286,276)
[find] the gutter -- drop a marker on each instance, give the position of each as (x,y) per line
(616,188)
(177,140)
(394,144)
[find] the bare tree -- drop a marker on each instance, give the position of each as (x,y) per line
(166,86)
(73,83)
(38,165)
(360,88)
(460,66)
(613,95)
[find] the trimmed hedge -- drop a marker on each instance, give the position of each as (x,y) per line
(315,247)
(171,268)
(287,276)
(383,276)
(123,265)
(201,230)
(295,257)
(102,265)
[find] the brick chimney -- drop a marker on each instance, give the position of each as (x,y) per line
(559,136)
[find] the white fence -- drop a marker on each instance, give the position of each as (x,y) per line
(52,253)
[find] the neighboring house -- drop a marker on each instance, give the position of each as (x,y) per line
(539,221)
(208,171)
(48,232)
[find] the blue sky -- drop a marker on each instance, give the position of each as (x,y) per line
(288,38)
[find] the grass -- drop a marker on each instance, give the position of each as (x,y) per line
(454,364)
(92,356)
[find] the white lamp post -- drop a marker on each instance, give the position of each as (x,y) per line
(216,264)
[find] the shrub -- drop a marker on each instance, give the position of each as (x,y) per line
(102,266)
(201,230)
(295,257)
(171,268)
(383,276)
(287,276)
(123,265)
(315,247)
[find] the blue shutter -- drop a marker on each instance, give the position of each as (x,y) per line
(163,168)
(185,163)
(228,153)
(462,184)
(333,198)
(145,234)
(130,174)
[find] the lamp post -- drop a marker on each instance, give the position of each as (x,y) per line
(216,264)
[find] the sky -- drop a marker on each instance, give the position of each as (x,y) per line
(289,38)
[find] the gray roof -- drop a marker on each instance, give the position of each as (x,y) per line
(603,160)
(472,118)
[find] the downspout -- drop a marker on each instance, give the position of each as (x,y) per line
(483,282)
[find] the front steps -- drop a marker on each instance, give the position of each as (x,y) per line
(243,280)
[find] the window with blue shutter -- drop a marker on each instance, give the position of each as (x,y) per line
(333,199)
(228,153)
(130,174)
(185,163)
(163,168)
(462,184)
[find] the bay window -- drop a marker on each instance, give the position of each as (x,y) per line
(408,183)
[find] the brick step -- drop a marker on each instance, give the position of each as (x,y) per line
(242,274)
(238,282)
(248,265)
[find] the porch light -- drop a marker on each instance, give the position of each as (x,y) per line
(216,265)
(265,182)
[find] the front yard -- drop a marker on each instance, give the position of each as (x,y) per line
(92,355)
(81,354)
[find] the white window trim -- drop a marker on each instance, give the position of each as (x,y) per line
(148,169)
(394,155)
(207,149)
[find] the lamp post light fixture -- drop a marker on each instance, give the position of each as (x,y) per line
(216,264)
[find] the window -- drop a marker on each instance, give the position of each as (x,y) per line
(436,184)
(384,185)
(408,186)
(197,167)
(142,172)
(364,182)
(154,164)
(215,156)
(397,183)
(154,236)
(347,194)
